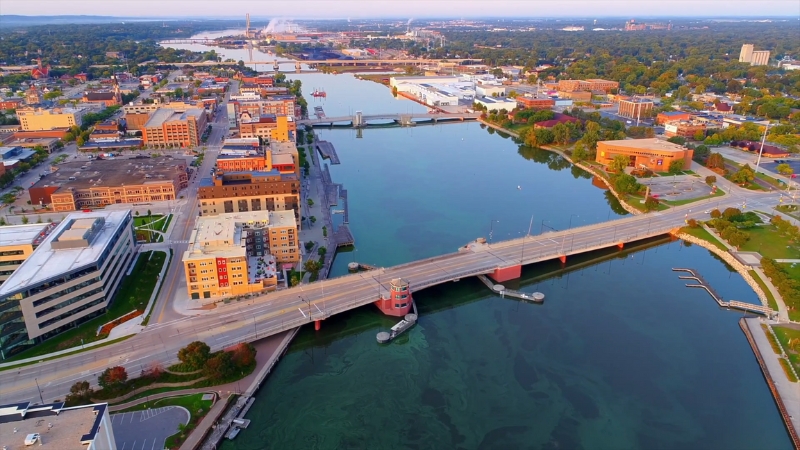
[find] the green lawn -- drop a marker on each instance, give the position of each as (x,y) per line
(770,298)
(791,210)
(133,293)
(155,222)
(790,340)
(768,242)
(636,202)
(701,233)
(719,193)
(192,402)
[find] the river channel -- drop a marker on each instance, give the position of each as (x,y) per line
(620,355)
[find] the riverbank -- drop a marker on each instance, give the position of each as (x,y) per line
(785,393)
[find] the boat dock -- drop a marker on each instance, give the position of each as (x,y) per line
(327,150)
(536,297)
(343,196)
(343,237)
(401,327)
(730,304)
(319,112)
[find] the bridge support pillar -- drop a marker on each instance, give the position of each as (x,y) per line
(501,275)
(563,259)
(317,325)
(399,302)
(621,245)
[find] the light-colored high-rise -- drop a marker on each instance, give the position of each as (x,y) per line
(760,58)
(746,54)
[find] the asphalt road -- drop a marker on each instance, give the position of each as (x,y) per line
(267,314)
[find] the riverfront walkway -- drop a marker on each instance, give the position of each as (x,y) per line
(328,151)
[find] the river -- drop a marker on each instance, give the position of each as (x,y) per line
(620,355)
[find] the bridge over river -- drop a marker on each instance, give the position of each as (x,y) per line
(403,119)
(254,318)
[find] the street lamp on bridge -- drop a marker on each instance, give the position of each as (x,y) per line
(491,228)
(570,220)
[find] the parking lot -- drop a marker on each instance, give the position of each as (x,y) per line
(682,187)
(148,429)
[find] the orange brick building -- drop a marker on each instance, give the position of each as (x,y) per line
(651,153)
(535,103)
(167,127)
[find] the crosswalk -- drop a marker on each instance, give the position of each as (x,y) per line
(177,242)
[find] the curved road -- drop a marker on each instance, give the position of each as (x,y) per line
(271,313)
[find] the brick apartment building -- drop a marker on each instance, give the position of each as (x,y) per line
(245,191)
(168,127)
(535,103)
(94,184)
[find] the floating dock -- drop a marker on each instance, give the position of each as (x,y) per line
(536,297)
(343,237)
(731,304)
(343,196)
(401,327)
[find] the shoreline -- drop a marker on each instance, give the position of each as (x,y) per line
(775,388)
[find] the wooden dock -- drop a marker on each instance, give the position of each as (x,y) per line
(328,151)
(510,292)
(343,237)
(730,304)
(343,196)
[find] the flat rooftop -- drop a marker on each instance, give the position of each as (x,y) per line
(47,262)
(222,236)
(22,234)
(646,144)
(113,172)
(60,428)
(282,147)
(164,115)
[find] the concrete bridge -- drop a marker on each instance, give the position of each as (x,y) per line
(258,316)
(358,121)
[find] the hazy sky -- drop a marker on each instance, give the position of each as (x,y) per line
(405,8)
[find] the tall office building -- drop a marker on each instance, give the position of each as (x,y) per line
(760,58)
(746,54)
(754,57)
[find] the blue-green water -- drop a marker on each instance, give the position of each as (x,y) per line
(621,355)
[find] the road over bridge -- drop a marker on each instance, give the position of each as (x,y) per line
(401,118)
(254,318)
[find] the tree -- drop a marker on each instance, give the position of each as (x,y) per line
(699,135)
(730,213)
(715,161)
(310,202)
(744,175)
(219,367)
(700,152)
(676,167)
(651,204)
(680,140)
(711,179)
(25,219)
(244,355)
(561,134)
(784,169)
(579,153)
(619,163)
(715,214)
(79,394)
(626,184)
(112,377)
(195,354)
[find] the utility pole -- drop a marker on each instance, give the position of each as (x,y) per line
(761,151)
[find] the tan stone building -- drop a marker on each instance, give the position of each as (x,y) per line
(40,119)
(239,253)
(270,127)
(95,184)
(593,84)
(234,192)
(635,108)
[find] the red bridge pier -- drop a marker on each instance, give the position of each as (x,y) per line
(399,302)
(506,273)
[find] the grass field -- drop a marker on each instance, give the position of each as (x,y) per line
(770,298)
(156,222)
(790,340)
(704,235)
(133,293)
(767,241)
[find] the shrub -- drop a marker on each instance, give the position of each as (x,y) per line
(711,179)
(195,355)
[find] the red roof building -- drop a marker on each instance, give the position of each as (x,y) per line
(559,118)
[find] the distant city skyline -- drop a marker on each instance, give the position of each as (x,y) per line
(342,9)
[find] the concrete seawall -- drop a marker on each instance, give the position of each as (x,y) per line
(774,387)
